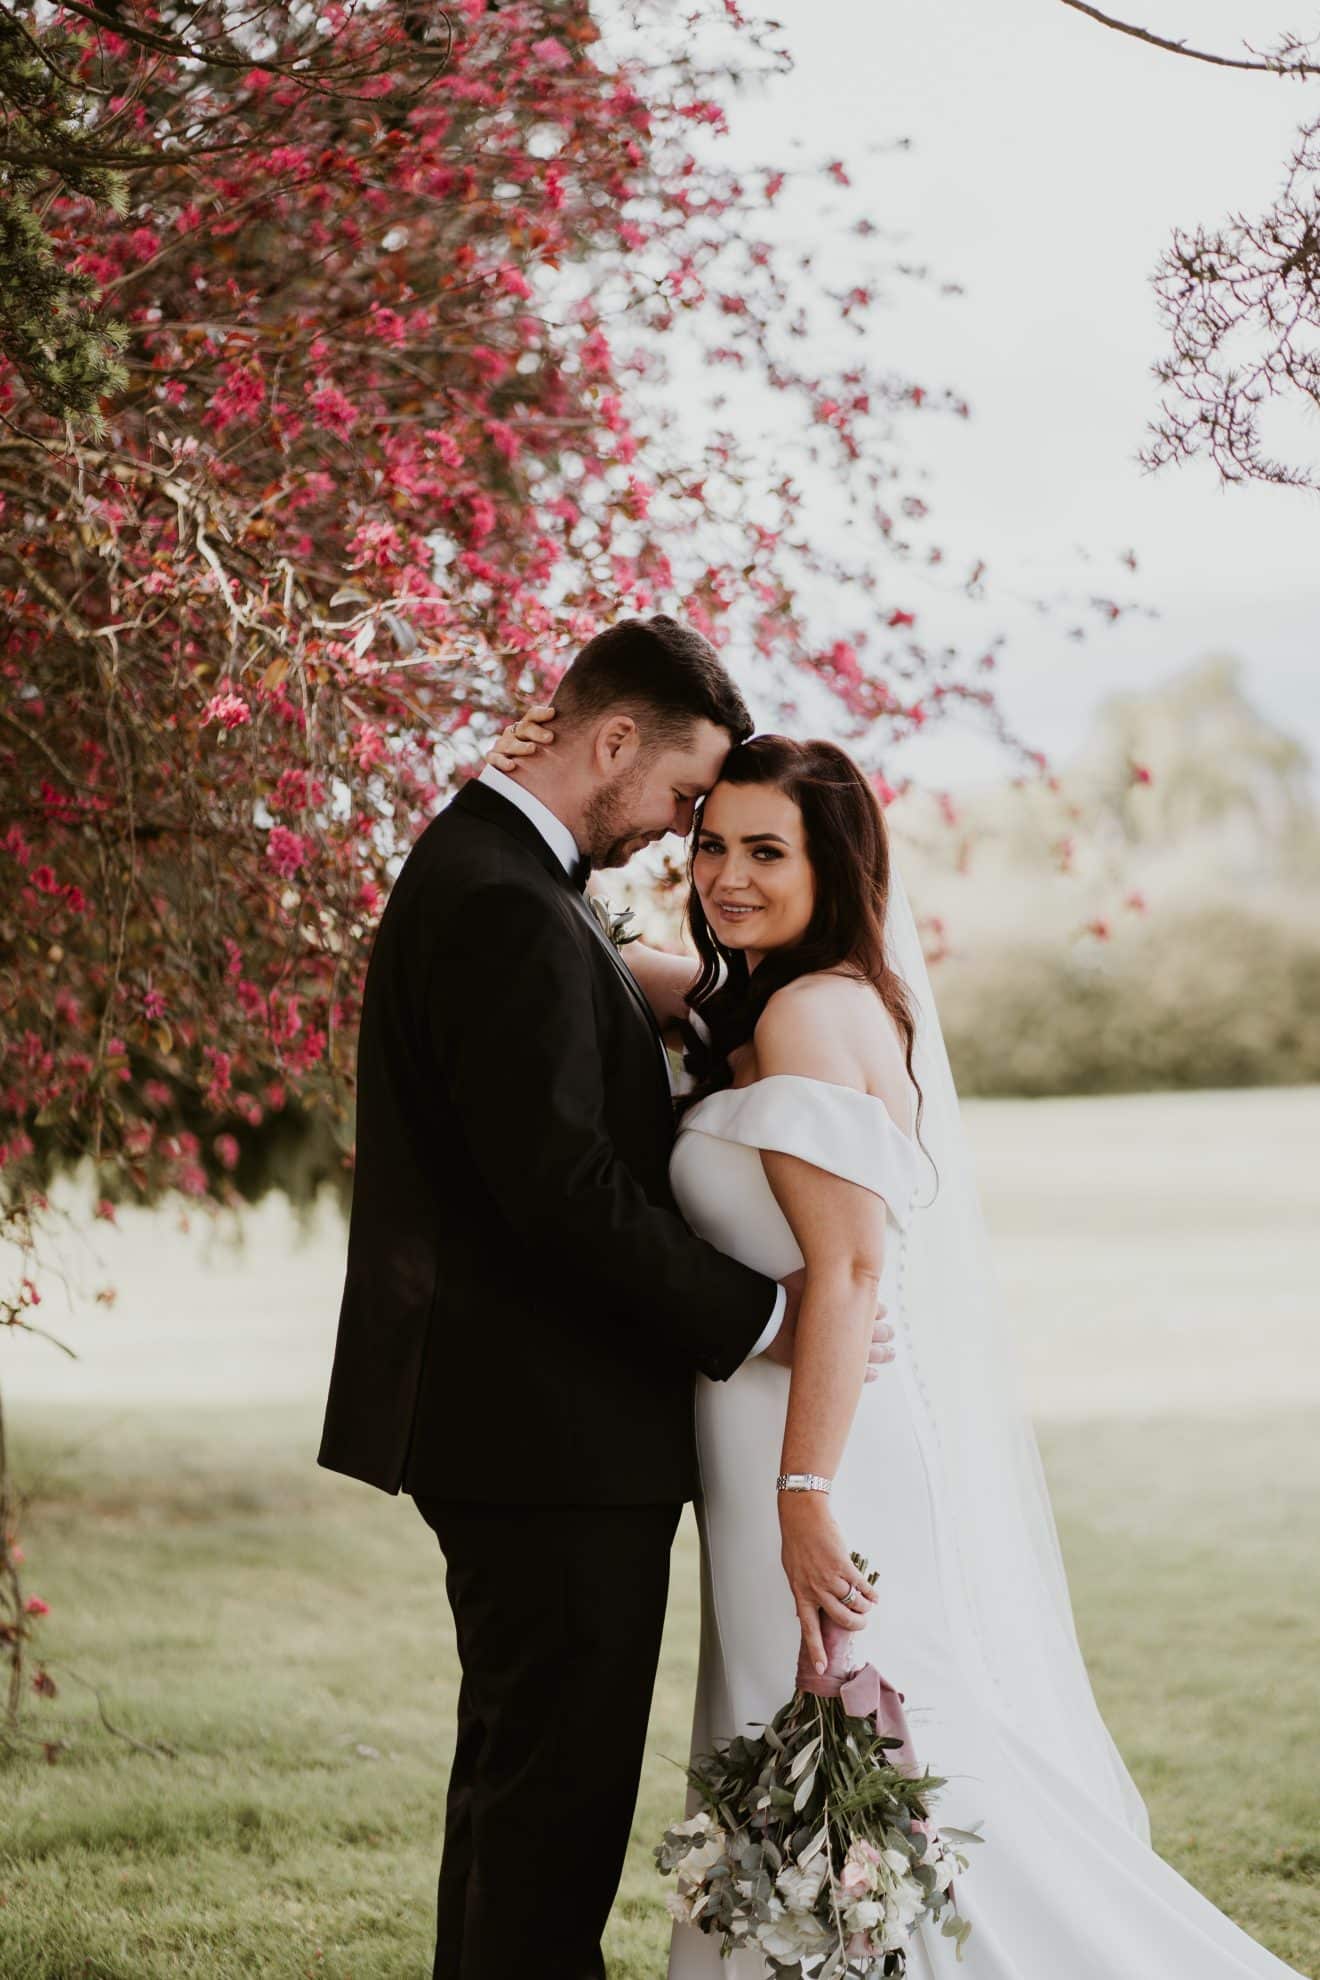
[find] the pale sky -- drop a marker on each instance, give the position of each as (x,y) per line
(1050,160)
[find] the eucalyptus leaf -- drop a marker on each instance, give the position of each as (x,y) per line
(804,1757)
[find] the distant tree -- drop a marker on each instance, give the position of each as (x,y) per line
(1215,767)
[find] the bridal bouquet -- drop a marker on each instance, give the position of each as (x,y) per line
(814,1847)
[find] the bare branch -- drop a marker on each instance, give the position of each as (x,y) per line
(1277,65)
(158,1748)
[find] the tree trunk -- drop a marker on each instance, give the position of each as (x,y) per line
(11,1593)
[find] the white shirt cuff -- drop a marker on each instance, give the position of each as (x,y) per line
(775,1322)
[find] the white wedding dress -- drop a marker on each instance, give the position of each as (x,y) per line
(1064,1886)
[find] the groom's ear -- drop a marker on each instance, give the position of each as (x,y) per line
(617,742)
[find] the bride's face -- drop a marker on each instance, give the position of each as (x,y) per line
(751,869)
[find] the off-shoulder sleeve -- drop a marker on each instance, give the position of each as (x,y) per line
(837,1128)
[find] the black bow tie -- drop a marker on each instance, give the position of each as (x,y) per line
(580,871)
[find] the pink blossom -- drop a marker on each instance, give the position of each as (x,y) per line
(503,439)
(594,354)
(482,518)
(376,543)
(34,1606)
(552,54)
(451,454)
(228,709)
(637,499)
(220,1066)
(368,747)
(843,659)
(703,111)
(285,851)
(333,411)
(241,394)
(388,326)
(226,1148)
(488,363)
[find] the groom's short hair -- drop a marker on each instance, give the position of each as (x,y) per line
(665,675)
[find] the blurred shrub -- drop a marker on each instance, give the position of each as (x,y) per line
(1220,997)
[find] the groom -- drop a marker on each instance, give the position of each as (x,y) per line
(524,1311)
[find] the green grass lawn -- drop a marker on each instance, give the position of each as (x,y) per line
(287,1632)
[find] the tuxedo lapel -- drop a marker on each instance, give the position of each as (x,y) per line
(634,988)
(496,810)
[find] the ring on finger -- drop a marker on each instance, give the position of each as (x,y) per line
(853,1596)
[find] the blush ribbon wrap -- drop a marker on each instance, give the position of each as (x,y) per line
(862,1692)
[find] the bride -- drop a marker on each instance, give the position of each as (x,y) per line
(824,1133)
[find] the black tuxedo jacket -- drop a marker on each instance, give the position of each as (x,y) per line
(523,1308)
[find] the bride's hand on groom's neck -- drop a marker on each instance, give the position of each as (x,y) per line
(522,738)
(781,1347)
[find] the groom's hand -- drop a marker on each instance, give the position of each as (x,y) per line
(781,1347)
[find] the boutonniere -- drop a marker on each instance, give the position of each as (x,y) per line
(616,924)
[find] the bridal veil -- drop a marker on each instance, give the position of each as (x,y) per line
(1001,1568)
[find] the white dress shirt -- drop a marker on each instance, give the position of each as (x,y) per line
(565,848)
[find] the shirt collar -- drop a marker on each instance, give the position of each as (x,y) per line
(552,829)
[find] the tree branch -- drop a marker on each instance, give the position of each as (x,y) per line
(158,1748)
(1276,67)
(296,68)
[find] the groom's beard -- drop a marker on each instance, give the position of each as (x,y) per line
(612,836)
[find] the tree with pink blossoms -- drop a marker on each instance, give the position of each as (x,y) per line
(334,415)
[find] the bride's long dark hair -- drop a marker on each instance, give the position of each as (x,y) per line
(848,848)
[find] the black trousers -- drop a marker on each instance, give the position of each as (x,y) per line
(558,1612)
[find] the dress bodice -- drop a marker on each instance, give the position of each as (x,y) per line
(719,1180)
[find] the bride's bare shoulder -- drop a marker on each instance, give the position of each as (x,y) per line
(830,1018)
(829,1026)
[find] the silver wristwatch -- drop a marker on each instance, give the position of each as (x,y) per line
(802,1481)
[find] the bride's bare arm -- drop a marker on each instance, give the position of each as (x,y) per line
(664,979)
(840,1231)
